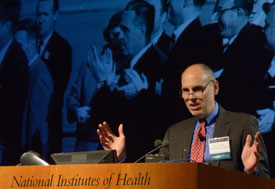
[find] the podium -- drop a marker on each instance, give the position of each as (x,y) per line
(129,175)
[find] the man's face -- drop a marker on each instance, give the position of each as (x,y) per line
(194,80)
(27,43)
(159,18)
(270,29)
(5,32)
(21,38)
(257,15)
(127,38)
(175,11)
(228,17)
(3,29)
(45,17)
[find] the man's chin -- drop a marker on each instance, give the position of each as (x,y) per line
(195,112)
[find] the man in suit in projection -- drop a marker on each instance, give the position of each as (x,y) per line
(188,139)
(136,91)
(244,62)
(56,52)
(39,102)
(14,80)
(78,102)
(159,38)
(267,119)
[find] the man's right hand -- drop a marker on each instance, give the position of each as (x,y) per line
(82,114)
(110,141)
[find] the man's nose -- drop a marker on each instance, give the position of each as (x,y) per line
(41,18)
(118,35)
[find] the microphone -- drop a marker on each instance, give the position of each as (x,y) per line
(31,158)
(158,144)
(201,137)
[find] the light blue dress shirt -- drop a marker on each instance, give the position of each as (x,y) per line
(209,128)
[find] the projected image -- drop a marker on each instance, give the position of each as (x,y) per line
(68,65)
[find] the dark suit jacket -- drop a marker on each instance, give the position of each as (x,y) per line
(163,44)
(245,63)
(14,81)
(38,109)
(57,55)
(235,125)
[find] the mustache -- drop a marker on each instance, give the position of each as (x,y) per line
(117,44)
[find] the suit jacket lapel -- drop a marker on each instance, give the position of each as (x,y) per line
(222,128)
(49,44)
(187,137)
(188,31)
(6,56)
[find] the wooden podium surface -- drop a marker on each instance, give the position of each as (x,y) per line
(140,175)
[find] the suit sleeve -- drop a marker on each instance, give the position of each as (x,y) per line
(39,113)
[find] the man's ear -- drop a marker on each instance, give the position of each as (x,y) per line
(7,25)
(163,17)
(216,87)
(55,15)
(240,12)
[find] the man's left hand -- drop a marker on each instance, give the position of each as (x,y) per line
(250,154)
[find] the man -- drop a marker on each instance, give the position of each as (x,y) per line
(268,114)
(244,61)
(38,110)
(136,91)
(56,52)
(14,80)
(78,102)
(159,38)
(257,16)
(189,138)
(270,74)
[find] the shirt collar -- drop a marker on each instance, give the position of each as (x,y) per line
(4,50)
(33,60)
(156,37)
(271,69)
(181,28)
(138,55)
(231,40)
(45,41)
(211,118)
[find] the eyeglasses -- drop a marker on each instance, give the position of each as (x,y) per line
(221,11)
(197,91)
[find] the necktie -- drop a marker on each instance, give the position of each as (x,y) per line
(225,42)
(39,46)
(199,144)
(172,42)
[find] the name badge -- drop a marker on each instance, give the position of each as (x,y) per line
(219,148)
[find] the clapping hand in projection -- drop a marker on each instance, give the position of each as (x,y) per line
(135,83)
(103,67)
